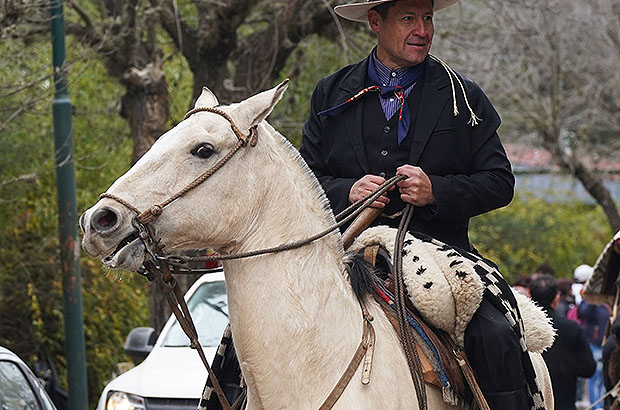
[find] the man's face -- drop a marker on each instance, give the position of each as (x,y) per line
(404,37)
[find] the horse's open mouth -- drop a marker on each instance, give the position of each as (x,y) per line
(129,248)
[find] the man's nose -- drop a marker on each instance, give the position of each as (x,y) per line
(419,28)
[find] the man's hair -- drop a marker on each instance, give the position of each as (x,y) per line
(383,8)
(545,268)
(543,290)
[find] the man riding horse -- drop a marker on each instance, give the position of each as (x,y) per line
(455,165)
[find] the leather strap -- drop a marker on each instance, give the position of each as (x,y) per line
(427,369)
(365,348)
(370,254)
(461,358)
(176,301)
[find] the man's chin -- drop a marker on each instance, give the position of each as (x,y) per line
(416,54)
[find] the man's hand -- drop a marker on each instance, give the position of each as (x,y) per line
(366,185)
(417,188)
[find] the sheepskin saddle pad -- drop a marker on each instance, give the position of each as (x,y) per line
(446,286)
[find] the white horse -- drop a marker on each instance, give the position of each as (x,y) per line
(295,320)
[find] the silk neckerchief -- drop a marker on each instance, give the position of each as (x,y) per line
(407,80)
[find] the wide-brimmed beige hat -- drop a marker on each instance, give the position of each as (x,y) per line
(359,11)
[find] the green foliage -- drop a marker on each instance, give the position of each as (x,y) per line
(530,231)
(31,300)
(180,81)
(314,59)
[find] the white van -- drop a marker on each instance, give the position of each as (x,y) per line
(172,376)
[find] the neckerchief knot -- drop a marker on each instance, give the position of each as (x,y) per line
(409,79)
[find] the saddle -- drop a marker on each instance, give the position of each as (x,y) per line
(440,366)
(445,286)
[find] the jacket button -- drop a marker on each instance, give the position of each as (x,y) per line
(382,175)
(384,153)
(387,129)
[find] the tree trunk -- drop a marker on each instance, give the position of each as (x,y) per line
(593,183)
(590,180)
(145,105)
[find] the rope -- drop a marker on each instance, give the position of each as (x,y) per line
(353,210)
(474,119)
(614,391)
(413,359)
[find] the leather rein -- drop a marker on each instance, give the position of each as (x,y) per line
(162,267)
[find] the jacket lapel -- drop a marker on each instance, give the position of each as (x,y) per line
(433,101)
(352,118)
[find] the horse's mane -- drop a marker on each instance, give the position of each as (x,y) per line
(362,275)
(297,158)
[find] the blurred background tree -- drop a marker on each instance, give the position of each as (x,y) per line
(136,66)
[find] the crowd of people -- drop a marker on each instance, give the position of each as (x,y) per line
(583,355)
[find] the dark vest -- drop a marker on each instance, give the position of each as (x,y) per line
(381,141)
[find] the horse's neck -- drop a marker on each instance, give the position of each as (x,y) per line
(293,320)
(293,314)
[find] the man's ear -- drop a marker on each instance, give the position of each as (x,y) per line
(374,20)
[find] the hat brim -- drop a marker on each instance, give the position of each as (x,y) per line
(359,11)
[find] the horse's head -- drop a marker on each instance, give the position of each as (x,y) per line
(200,174)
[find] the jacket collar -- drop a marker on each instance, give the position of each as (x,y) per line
(434,97)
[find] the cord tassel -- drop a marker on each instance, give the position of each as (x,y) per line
(474,119)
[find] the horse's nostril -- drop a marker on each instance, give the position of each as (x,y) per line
(103,220)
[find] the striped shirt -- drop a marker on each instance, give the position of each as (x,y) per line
(389,77)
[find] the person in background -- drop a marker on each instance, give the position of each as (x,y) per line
(611,363)
(570,356)
(594,320)
(522,283)
(567,300)
(545,267)
(581,274)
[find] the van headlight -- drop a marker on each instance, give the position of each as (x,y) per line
(122,401)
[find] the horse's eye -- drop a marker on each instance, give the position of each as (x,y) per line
(203,150)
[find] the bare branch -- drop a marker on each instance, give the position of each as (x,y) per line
(26,178)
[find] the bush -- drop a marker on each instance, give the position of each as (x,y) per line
(530,231)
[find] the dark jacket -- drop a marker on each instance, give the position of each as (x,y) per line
(594,320)
(568,358)
(467,165)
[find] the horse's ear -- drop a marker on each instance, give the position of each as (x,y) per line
(256,108)
(206,99)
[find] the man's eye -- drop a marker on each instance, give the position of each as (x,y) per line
(203,150)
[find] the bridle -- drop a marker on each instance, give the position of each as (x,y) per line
(156,210)
(163,271)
